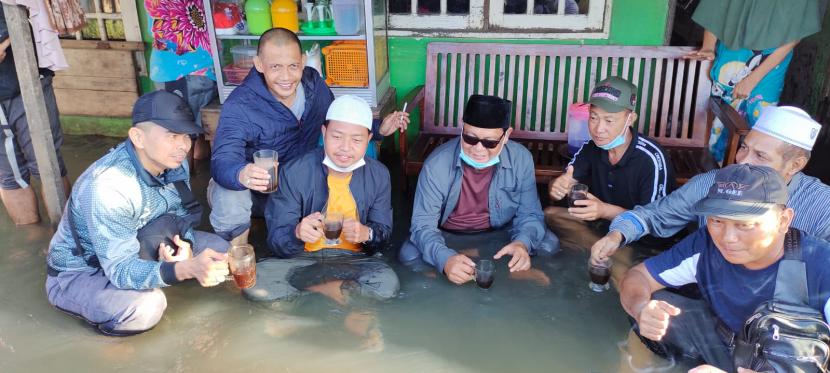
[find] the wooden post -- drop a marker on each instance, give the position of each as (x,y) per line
(38,119)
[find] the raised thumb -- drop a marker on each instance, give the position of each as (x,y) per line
(570,171)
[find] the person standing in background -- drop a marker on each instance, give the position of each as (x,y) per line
(17,154)
(751,44)
(181,56)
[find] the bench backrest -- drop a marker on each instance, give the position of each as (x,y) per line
(543,80)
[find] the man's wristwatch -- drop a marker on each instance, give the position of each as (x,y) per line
(371,234)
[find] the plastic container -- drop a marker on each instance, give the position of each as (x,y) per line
(284,14)
(348,16)
(346,64)
(578,134)
(258,15)
(226,18)
(235,75)
(243,56)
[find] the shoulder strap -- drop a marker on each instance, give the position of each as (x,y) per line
(791,281)
(191,205)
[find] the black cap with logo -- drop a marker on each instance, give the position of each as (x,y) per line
(167,110)
(743,192)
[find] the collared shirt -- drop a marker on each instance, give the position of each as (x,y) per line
(643,173)
(666,216)
(512,202)
(110,202)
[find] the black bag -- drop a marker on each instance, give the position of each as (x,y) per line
(785,334)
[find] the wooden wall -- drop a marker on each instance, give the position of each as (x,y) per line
(101,80)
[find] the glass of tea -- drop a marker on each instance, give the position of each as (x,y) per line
(600,273)
(332,226)
(578,192)
(484,273)
(268,160)
(242,263)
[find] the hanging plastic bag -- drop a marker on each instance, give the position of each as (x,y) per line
(313,58)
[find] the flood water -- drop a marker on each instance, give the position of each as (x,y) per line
(558,325)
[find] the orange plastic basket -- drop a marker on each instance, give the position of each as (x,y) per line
(346,64)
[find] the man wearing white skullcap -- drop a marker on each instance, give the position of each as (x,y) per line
(782,139)
(334,204)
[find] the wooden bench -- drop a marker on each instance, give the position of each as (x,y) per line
(543,80)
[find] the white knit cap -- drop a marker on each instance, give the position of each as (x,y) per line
(350,109)
(789,124)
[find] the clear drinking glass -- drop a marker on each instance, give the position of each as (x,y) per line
(332,226)
(242,263)
(578,192)
(268,160)
(600,273)
(484,273)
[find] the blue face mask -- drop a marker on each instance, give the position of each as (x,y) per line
(619,140)
(478,165)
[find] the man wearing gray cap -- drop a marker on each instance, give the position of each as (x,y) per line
(127,229)
(781,139)
(734,261)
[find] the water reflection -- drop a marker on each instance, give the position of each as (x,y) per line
(433,326)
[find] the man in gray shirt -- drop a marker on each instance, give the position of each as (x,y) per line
(782,139)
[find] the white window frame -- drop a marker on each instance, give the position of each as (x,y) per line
(444,21)
(594,25)
(126,11)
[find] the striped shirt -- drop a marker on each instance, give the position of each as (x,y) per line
(642,175)
(809,198)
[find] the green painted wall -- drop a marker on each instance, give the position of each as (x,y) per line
(633,22)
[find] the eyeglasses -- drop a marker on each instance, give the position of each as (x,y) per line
(489,144)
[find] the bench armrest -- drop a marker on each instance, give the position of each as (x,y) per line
(734,122)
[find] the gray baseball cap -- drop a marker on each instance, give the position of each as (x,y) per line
(743,192)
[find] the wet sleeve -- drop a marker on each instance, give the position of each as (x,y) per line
(426,215)
(668,215)
(529,223)
(283,212)
(380,212)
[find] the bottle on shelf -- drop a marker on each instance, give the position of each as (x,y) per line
(348,16)
(258,14)
(284,14)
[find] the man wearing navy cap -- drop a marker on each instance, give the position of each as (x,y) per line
(733,260)
(101,266)
(478,182)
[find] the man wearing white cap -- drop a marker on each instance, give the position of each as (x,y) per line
(782,139)
(337,179)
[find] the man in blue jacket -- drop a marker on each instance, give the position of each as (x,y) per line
(104,264)
(280,106)
(478,182)
(337,179)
